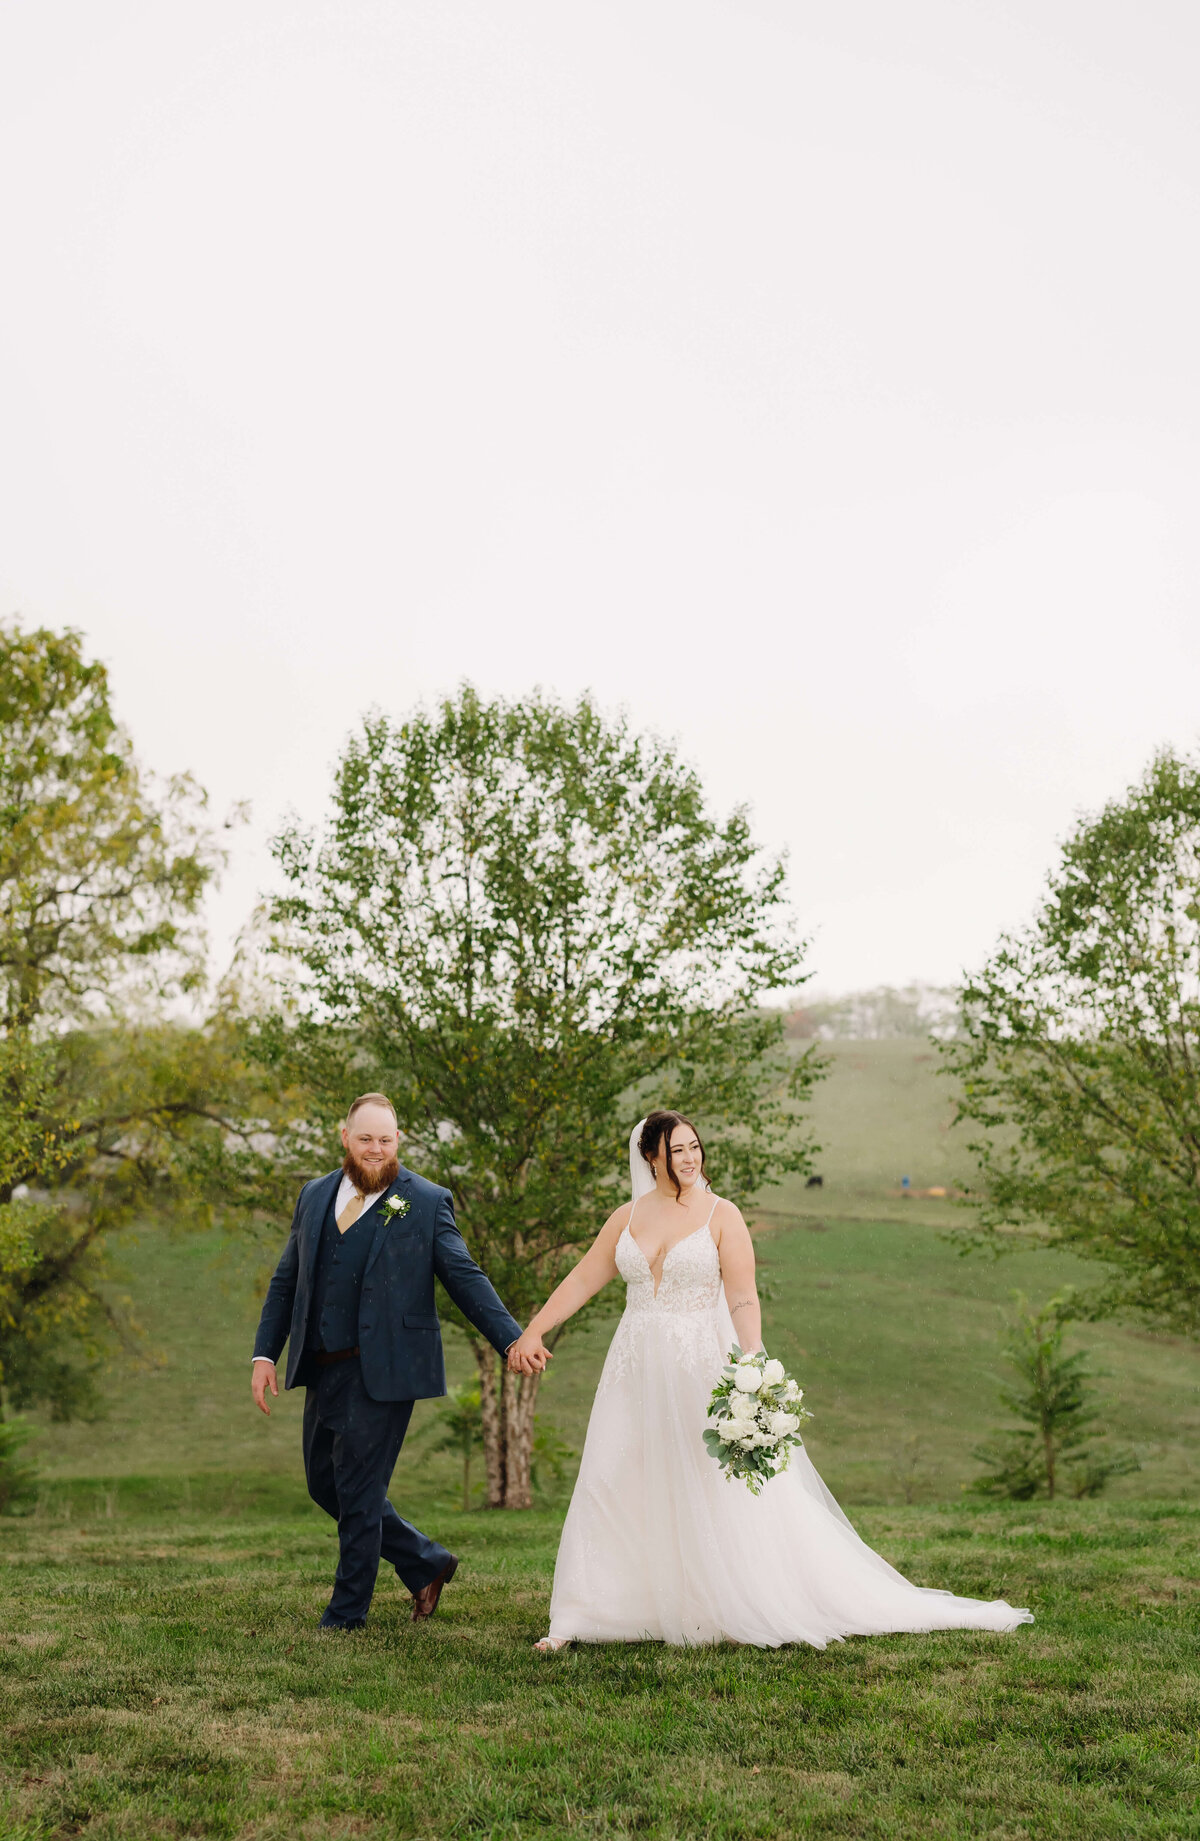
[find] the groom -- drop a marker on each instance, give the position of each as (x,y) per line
(353,1293)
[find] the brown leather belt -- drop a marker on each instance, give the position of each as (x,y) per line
(326,1357)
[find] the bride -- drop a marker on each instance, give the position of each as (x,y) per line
(657,1543)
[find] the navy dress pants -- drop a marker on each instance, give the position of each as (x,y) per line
(351,1444)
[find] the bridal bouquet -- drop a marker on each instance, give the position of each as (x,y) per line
(753,1418)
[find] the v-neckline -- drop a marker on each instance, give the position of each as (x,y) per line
(703,1228)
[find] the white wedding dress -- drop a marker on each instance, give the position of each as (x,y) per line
(657,1543)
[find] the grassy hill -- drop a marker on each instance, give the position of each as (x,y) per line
(892,1331)
(161,1671)
(883,1112)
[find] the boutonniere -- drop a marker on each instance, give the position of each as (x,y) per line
(395,1207)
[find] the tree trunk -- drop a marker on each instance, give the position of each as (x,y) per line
(491,1415)
(507,1405)
(1048,1427)
(521,1393)
(466,1481)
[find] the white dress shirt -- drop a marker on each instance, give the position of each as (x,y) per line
(346,1190)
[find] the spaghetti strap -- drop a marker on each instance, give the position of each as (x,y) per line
(637,1198)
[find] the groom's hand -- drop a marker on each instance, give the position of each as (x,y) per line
(529,1355)
(262,1376)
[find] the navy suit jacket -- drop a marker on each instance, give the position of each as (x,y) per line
(399,1335)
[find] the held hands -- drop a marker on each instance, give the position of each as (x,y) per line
(529,1354)
(262,1376)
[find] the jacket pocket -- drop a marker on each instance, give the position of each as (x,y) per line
(421,1322)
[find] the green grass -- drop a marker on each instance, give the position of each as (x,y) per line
(894,1333)
(882,1112)
(162,1676)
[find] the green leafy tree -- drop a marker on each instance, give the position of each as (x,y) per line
(101,873)
(102,1103)
(1078,1065)
(18,1475)
(1055,1451)
(523,923)
(551,1455)
(458,1429)
(914,1010)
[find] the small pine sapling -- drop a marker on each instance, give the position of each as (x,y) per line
(1055,1452)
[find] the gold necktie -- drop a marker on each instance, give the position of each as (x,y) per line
(350,1212)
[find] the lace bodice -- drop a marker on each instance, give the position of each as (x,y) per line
(691,1275)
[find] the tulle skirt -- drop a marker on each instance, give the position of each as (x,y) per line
(658,1544)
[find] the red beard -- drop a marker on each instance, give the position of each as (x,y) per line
(370,1181)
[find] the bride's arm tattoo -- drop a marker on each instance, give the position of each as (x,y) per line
(743,1304)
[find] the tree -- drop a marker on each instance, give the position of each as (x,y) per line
(915,1011)
(18,1476)
(458,1429)
(1078,1062)
(522,923)
(459,1425)
(550,1456)
(101,876)
(1056,1449)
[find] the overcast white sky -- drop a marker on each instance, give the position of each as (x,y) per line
(821,382)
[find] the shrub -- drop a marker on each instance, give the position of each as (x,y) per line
(18,1475)
(1055,1450)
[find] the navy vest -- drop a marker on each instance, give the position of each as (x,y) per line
(337,1282)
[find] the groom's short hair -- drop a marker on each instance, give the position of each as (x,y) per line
(370,1099)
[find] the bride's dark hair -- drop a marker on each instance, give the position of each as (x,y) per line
(657,1130)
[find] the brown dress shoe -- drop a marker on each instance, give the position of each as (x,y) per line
(425,1602)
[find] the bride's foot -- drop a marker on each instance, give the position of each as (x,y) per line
(553,1642)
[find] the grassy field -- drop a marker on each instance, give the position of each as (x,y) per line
(884,1111)
(894,1334)
(163,1676)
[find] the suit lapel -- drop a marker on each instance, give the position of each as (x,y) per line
(321,1194)
(382,1223)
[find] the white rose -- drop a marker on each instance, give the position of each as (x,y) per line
(732,1433)
(783,1423)
(747,1379)
(743,1406)
(792,1392)
(773,1374)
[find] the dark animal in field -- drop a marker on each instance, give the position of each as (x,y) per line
(815,1182)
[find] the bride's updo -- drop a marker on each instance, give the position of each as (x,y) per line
(657,1132)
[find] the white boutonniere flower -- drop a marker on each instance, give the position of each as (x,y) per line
(394,1207)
